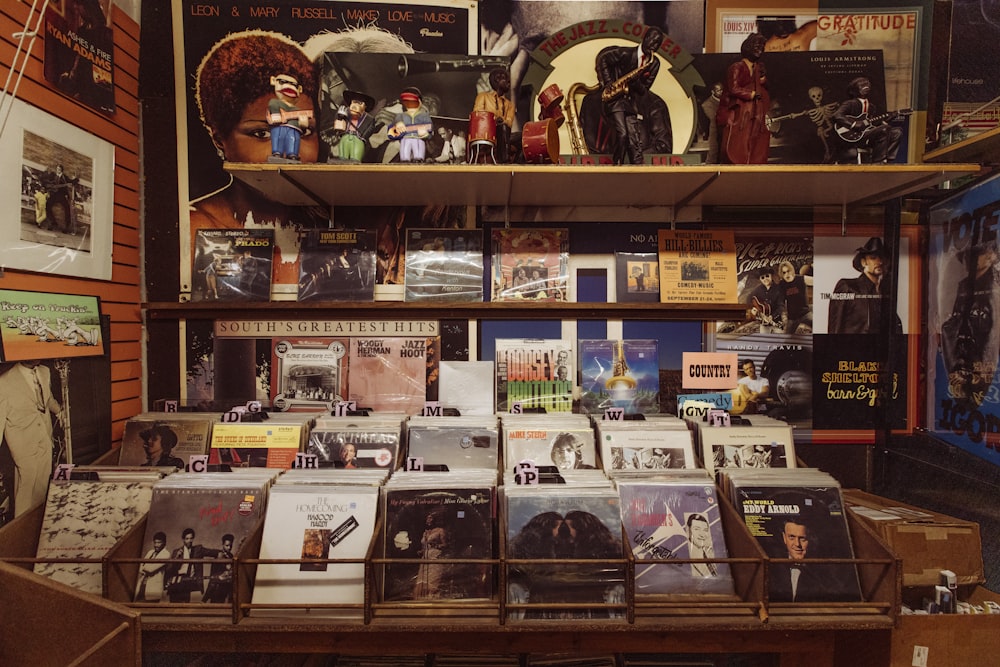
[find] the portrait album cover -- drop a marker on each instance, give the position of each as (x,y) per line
(337,265)
(565,440)
(308,374)
(530,264)
(393,374)
(165,438)
(356,445)
(443,265)
(232,265)
(794,517)
(456,442)
(621,374)
(439,516)
(657,444)
(197,517)
(558,522)
(666,520)
(315,524)
(85,519)
(534,373)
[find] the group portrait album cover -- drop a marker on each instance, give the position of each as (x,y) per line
(530,264)
(197,522)
(308,374)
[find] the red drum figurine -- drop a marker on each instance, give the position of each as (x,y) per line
(550,97)
(482,137)
(540,141)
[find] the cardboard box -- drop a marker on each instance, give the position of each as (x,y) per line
(926,541)
(945,640)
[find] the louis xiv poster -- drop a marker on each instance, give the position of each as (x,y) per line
(962,320)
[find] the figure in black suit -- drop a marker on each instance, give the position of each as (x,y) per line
(853,118)
(186,578)
(809,582)
(621,106)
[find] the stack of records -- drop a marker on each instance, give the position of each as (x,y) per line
(204,518)
(165,438)
(453,442)
(753,442)
(316,516)
(565,441)
(669,516)
(654,445)
(84,520)
(356,442)
(548,526)
(797,516)
(430,516)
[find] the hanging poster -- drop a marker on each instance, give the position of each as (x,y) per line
(38,325)
(697,266)
(79,52)
(963,306)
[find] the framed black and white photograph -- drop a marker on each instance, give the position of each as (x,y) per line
(59,182)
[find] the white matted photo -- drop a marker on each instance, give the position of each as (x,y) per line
(58,185)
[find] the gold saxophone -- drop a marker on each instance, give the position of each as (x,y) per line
(619,86)
(576,138)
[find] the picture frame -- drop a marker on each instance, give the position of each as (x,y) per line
(63,222)
(40,325)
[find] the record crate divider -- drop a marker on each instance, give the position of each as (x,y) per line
(880,574)
(433,612)
(87,630)
(246,572)
(122,572)
(626,607)
(747,564)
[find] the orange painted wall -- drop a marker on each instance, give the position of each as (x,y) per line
(120,296)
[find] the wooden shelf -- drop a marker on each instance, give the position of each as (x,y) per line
(984,148)
(283,310)
(548,185)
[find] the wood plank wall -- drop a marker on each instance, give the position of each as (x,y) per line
(120,297)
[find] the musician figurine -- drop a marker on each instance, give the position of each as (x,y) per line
(743,107)
(859,127)
(287,121)
(496,102)
(412,126)
(626,74)
(358,125)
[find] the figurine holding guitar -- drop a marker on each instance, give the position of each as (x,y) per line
(859,126)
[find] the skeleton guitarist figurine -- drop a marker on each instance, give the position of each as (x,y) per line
(625,74)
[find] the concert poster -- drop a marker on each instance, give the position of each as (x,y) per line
(697,266)
(963,299)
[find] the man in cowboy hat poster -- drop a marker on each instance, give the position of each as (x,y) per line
(856,303)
